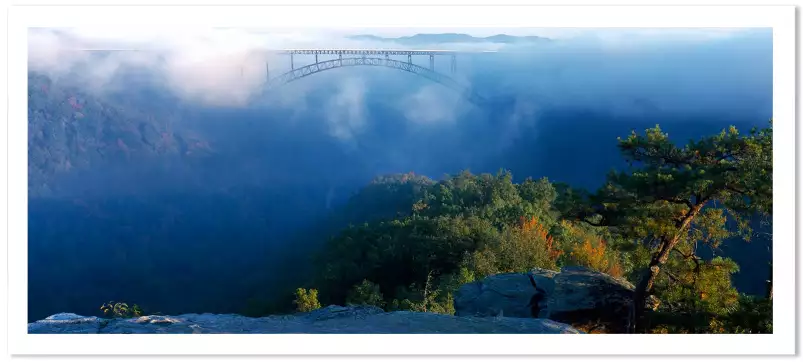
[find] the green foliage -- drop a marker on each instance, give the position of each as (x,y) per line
(306,300)
(699,286)
(366,293)
(463,275)
(434,297)
(398,252)
(665,182)
(675,198)
(749,315)
(752,315)
(635,258)
(463,227)
(121,310)
(436,236)
(385,197)
(517,249)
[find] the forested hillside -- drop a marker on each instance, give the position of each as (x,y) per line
(136,198)
(71,131)
(649,223)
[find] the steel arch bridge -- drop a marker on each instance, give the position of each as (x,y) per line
(363,59)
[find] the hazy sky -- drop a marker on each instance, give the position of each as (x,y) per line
(556,33)
(237,37)
(671,67)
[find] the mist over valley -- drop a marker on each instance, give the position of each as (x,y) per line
(168,177)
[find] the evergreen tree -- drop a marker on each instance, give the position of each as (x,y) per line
(673,198)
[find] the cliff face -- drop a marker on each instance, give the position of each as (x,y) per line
(332,319)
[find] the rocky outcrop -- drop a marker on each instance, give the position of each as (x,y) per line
(575,295)
(585,297)
(508,295)
(332,319)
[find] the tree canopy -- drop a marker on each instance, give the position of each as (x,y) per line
(675,199)
(672,200)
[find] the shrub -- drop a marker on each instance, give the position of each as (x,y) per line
(121,310)
(595,254)
(366,293)
(306,300)
(589,250)
(429,299)
(517,249)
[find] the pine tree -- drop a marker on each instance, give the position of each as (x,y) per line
(671,198)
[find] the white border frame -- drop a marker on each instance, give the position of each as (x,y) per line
(780,18)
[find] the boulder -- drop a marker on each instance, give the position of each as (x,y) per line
(575,295)
(507,295)
(590,298)
(332,319)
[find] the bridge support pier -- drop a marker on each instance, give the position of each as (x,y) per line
(409,59)
(431,62)
(454,64)
(316,58)
(291,62)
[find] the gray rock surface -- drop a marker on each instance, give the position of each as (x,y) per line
(575,295)
(331,319)
(66,323)
(583,296)
(505,294)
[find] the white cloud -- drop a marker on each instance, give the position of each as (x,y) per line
(226,66)
(345,111)
(431,104)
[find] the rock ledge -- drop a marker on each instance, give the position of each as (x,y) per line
(331,319)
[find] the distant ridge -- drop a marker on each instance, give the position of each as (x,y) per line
(419,39)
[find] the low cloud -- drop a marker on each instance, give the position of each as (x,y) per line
(625,71)
(217,67)
(432,104)
(345,110)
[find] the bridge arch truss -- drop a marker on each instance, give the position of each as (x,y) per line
(322,66)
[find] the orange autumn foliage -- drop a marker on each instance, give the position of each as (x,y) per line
(533,226)
(594,254)
(590,251)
